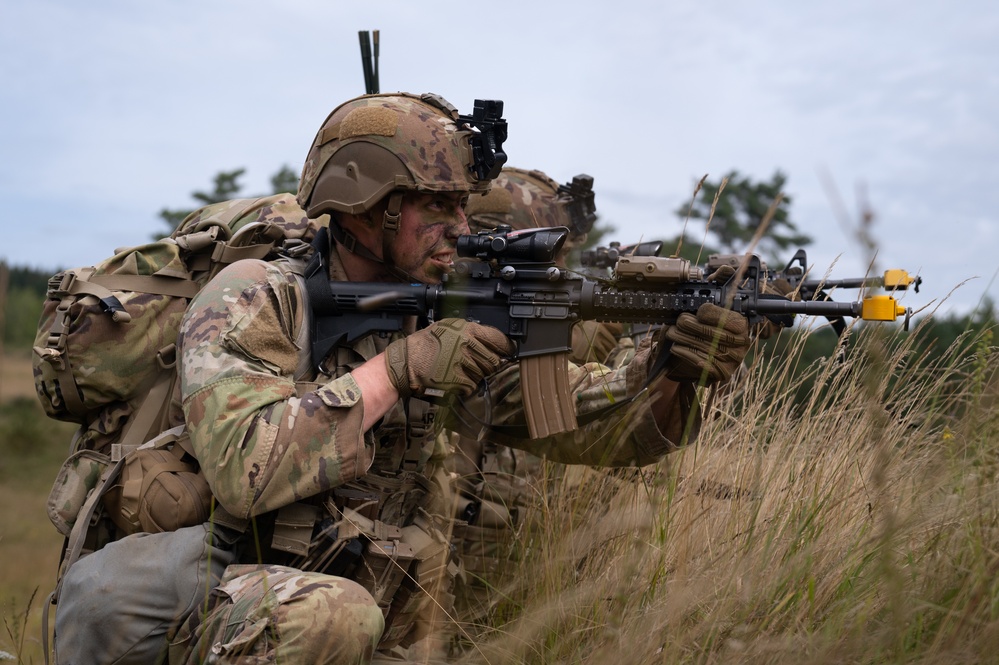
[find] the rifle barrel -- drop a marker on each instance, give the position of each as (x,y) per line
(828,308)
(849,283)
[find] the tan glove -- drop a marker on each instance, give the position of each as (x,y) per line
(449,356)
(593,341)
(715,332)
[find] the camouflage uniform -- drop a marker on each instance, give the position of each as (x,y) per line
(336,541)
(496,484)
(265,446)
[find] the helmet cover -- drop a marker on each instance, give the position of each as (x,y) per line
(529,199)
(373,145)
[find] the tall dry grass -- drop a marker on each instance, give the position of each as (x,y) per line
(31,449)
(860,528)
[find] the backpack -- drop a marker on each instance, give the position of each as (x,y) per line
(105,357)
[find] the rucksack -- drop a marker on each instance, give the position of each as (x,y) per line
(104,357)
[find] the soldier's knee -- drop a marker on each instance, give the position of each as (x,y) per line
(336,621)
(90,625)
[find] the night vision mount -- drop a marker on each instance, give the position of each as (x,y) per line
(582,209)
(487,142)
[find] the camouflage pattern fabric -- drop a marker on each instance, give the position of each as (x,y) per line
(421,137)
(522,199)
(265,445)
(112,362)
(274,614)
(261,446)
(252,217)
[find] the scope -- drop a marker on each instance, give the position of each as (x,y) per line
(539,245)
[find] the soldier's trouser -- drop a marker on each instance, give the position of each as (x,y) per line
(124,603)
(274,614)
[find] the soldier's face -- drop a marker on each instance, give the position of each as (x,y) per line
(429,226)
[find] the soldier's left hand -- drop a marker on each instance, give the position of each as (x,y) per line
(593,341)
(711,344)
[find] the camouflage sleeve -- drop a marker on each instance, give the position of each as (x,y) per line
(627,436)
(260,445)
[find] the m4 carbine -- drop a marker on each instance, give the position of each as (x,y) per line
(794,276)
(509,280)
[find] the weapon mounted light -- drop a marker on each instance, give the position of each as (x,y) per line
(606,257)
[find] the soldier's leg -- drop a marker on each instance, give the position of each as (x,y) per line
(284,615)
(123,603)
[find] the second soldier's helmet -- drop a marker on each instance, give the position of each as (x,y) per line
(375,145)
(527,199)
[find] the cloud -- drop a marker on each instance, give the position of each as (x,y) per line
(114,110)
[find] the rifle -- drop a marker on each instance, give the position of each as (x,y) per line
(509,280)
(795,274)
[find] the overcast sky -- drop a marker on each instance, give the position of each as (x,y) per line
(112,110)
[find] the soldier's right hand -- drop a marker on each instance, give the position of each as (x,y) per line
(449,356)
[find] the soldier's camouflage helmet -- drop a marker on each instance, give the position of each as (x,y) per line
(528,199)
(374,145)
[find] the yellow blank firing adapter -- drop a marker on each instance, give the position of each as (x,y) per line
(900,279)
(881,308)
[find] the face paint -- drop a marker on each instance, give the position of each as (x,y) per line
(429,226)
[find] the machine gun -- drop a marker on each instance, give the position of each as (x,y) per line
(509,280)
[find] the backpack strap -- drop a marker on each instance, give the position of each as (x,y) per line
(226,248)
(147,418)
(296,268)
(167,286)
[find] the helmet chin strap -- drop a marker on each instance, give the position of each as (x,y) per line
(390,228)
